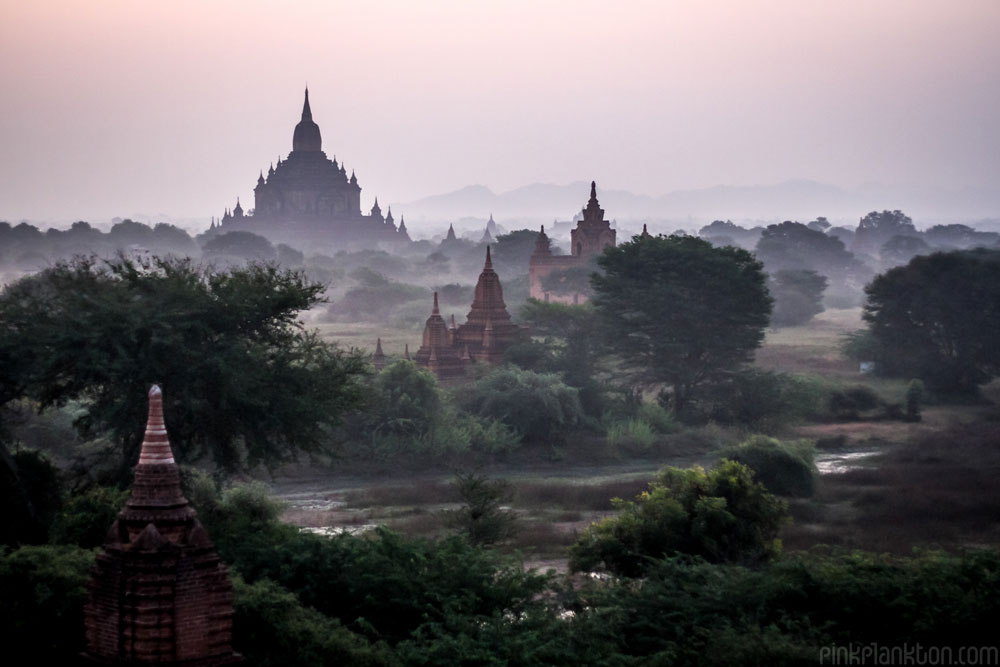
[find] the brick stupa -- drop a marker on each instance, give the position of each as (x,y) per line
(159,593)
(436,352)
(487,331)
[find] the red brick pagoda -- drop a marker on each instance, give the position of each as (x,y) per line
(159,593)
(487,333)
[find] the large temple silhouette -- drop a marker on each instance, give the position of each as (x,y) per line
(309,197)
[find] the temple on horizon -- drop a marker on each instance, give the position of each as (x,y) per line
(309,197)
(592,235)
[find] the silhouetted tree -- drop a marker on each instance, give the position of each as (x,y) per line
(936,319)
(680,312)
(242,380)
(798,296)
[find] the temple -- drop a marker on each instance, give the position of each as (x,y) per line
(309,197)
(447,350)
(158,593)
(592,235)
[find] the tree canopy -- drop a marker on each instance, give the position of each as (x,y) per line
(243,381)
(936,319)
(679,311)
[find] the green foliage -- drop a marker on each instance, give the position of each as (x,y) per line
(847,404)
(271,628)
(30,495)
(658,417)
(860,345)
(631,432)
(85,517)
(539,406)
(786,468)
(570,345)
(752,397)
(41,618)
(798,296)
(482,520)
(679,311)
(375,296)
(722,515)
(936,318)
(242,380)
(687,612)
(243,245)
(406,415)
(914,395)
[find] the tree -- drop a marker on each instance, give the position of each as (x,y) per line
(722,515)
(798,296)
(536,405)
(680,312)
(242,380)
(876,228)
(244,245)
(936,319)
(901,249)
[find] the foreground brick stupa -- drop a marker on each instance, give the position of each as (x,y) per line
(159,593)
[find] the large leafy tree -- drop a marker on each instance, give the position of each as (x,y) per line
(679,311)
(243,381)
(936,318)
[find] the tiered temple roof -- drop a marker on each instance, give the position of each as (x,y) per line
(487,331)
(159,593)
(436,352)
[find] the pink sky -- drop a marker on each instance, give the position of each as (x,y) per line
(117,107)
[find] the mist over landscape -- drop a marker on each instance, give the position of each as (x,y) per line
(499,333)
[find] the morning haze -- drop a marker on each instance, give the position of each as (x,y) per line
(169,109)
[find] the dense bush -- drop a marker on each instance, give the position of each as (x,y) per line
(539,406)
(41,618)
(722,515)
(785,468)
(86,516)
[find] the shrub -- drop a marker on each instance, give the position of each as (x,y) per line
(914,396)
(848,404)
(482,520)
(536,405)
(85,517)
(633,432)
(785,468)
(722,515)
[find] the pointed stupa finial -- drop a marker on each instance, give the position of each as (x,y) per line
(155,445)
(435,310)
(406,351)
(489,260)
(453,321)
(593,190)
(378,346)
(306,111)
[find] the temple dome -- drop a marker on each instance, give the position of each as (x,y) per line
(307,137)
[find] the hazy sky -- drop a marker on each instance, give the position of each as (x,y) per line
(117,107)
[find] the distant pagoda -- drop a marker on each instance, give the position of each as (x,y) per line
(159,594)
(592,235)
(485,336)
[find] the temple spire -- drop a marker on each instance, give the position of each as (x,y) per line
(306,111)
(155,445)
(593,192)
(435,311)
(489,261)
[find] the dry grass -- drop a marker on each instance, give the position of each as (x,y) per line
(936,489)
